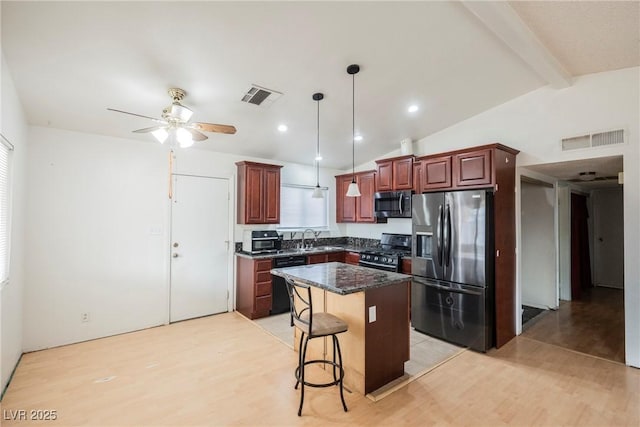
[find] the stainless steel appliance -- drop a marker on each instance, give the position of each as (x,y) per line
(452,267)
(389,255)
(280,302)
(392,204)
(261,241)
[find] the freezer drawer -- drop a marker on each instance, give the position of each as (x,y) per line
(452,312)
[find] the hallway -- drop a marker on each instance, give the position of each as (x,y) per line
(593,325)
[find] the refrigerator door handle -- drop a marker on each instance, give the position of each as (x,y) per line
(439,236)
(447,236)
(435,285)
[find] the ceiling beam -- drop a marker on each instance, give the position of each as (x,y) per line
(504,22)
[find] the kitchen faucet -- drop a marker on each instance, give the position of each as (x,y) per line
(315,237)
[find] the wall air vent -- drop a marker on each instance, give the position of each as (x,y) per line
(258,95)
(599,139)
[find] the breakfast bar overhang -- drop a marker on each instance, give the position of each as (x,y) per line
(375,304)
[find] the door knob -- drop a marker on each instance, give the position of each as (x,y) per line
(175,245)
(175,255)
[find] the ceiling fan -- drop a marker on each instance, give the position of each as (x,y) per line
(591,176)
(175,126)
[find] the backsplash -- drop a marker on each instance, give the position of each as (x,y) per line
(326,241)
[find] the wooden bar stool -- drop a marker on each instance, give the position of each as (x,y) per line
(314,325)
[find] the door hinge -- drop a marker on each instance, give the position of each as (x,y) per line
(227,295)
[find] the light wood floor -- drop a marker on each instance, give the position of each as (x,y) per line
(592,325)
(224,370)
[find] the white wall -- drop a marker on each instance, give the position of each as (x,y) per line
(95,207)
(538,274)
(97,226)
(13,126)
(534,124)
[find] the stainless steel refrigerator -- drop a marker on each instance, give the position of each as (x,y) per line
(452,267)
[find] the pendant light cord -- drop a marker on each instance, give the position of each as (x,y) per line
(353,128)
(318,147)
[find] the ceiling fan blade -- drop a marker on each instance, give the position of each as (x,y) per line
(137,115)
(151,129)
(210,127)
(197,136)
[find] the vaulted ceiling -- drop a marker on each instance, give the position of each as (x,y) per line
(71,61)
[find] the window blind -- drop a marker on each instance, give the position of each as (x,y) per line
(4,213)
(298,210)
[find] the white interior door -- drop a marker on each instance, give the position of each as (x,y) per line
(608,237)
(199,247)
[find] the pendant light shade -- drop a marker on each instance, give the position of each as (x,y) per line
(353,190)
(317,192)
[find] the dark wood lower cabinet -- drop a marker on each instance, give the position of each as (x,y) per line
(253,287)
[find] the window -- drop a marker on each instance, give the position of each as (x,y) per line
(5,147)
(298,210)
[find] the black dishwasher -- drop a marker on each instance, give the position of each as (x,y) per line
(280,296)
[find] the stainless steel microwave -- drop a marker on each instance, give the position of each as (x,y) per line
(392,204)
(261,241)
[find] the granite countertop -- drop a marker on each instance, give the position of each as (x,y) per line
(290,252)
(341,278)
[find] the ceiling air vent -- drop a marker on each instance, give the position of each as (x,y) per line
(599,139)
(258,95)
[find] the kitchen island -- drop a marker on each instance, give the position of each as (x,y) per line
(375,305)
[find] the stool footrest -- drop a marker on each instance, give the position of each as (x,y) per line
(324,362)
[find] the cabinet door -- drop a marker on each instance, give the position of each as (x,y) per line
(472,168)
(335,257)
(402,174)
(385,177)
(364,203)
(271,196)
(345,206)
(436,172)
(316,258)
(254,206)
(417,177)
(352,258)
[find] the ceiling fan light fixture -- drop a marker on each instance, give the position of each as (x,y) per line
(160,134)
(184,138)
(180,112)
(587,176)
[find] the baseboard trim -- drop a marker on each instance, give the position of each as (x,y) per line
(6,387)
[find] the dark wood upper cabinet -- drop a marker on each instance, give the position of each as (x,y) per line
(403,173)
(364,204)
(356,209)
(436,173)
(472,168)
(345,206)
(385,175)
(395,174)
(417,177)
(258,193)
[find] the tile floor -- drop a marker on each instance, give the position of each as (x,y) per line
(425,352)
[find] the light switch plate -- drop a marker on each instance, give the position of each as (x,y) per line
(372,314)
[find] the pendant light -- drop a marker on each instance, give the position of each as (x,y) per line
(353,190)
(317,192)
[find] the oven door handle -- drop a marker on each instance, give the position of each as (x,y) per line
(374,265)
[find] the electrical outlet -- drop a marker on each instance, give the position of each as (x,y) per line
(84,317)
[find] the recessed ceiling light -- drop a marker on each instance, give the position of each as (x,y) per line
(357,138)
(412,108)
(318,157)
(282,128)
